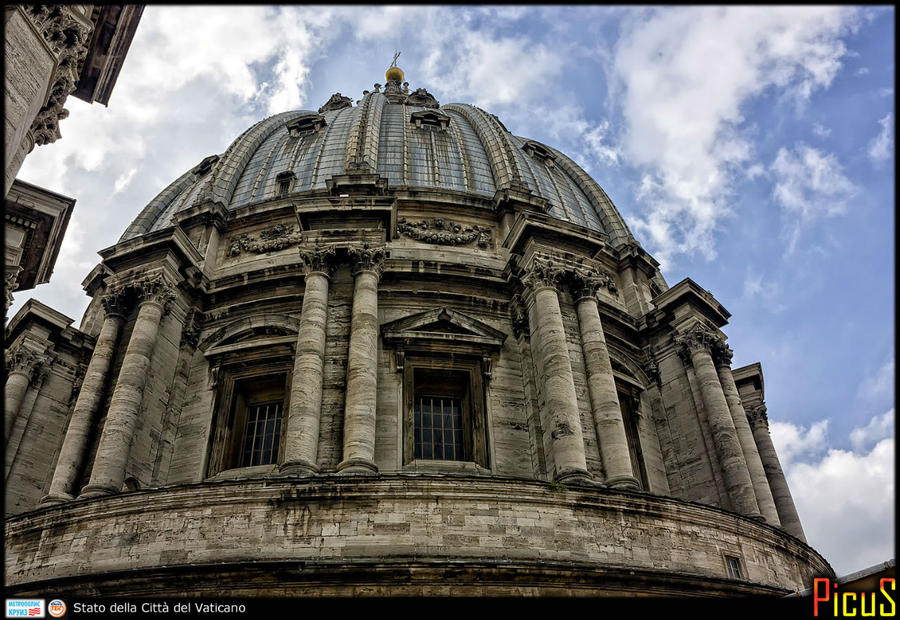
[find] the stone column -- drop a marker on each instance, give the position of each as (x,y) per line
(784,503)
(362,363)
(601,385)
(302,434)
(722,357)
(108,473)
(695,344)
(20,366)
(72,453)
(552,355)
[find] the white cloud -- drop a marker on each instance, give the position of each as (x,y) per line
(882,146)
(879,385)
(809,184)
(878,428)
(845,499)
(683,118)
(821,130)
(861,71)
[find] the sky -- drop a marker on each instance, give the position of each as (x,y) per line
(748,148)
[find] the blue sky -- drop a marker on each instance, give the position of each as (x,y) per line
(749,148)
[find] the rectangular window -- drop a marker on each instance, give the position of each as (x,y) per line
(733,566)
(262,434)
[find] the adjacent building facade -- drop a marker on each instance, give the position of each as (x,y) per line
(51,52)
(390,348)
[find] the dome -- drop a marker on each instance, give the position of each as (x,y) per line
(406,138)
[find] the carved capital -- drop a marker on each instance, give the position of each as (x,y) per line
(587,280)
(722,353)
(696,338)
(544,272)
(320,258)
(22,360)
(519,316)
(115,303)
(154,289)
(757,415)
(367,258)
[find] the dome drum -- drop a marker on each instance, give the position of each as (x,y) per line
(396,336)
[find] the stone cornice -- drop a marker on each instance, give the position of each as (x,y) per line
(683,301)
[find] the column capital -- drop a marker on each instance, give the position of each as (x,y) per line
(22,360)
(543,272)
(586,281)
(318,258)
(721,353)
(155,288)
(115,302)
(367,258)
(696,338)
(757,415)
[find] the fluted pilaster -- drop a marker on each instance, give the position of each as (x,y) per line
(695,344)
(544,278)
(302,434)
(362,362)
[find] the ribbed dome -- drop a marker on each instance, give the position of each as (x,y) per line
(405,137)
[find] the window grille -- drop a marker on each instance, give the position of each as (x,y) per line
(262,434)
(438,428)
(733,565)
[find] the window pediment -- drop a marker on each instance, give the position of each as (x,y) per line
(442,328)
(305,125)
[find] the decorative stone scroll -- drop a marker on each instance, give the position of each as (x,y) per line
(319,258)
(275,238)
(519,316)
(445,232)
(68,38)
(336,102)
(421,97)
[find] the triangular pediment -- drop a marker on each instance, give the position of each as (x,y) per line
(443,324)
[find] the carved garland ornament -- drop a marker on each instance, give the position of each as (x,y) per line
(277,237)
(445,232)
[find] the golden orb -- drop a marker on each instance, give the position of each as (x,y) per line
(394,74)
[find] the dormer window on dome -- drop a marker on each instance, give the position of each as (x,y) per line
(430,119)
(206,165)
(539,151)
(305,125)
(284,182)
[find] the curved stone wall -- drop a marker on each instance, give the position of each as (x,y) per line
(397,534)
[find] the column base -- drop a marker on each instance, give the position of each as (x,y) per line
(97,490)
(357,466)
(629,483)
(56,498)
(298,467)
(574,476)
